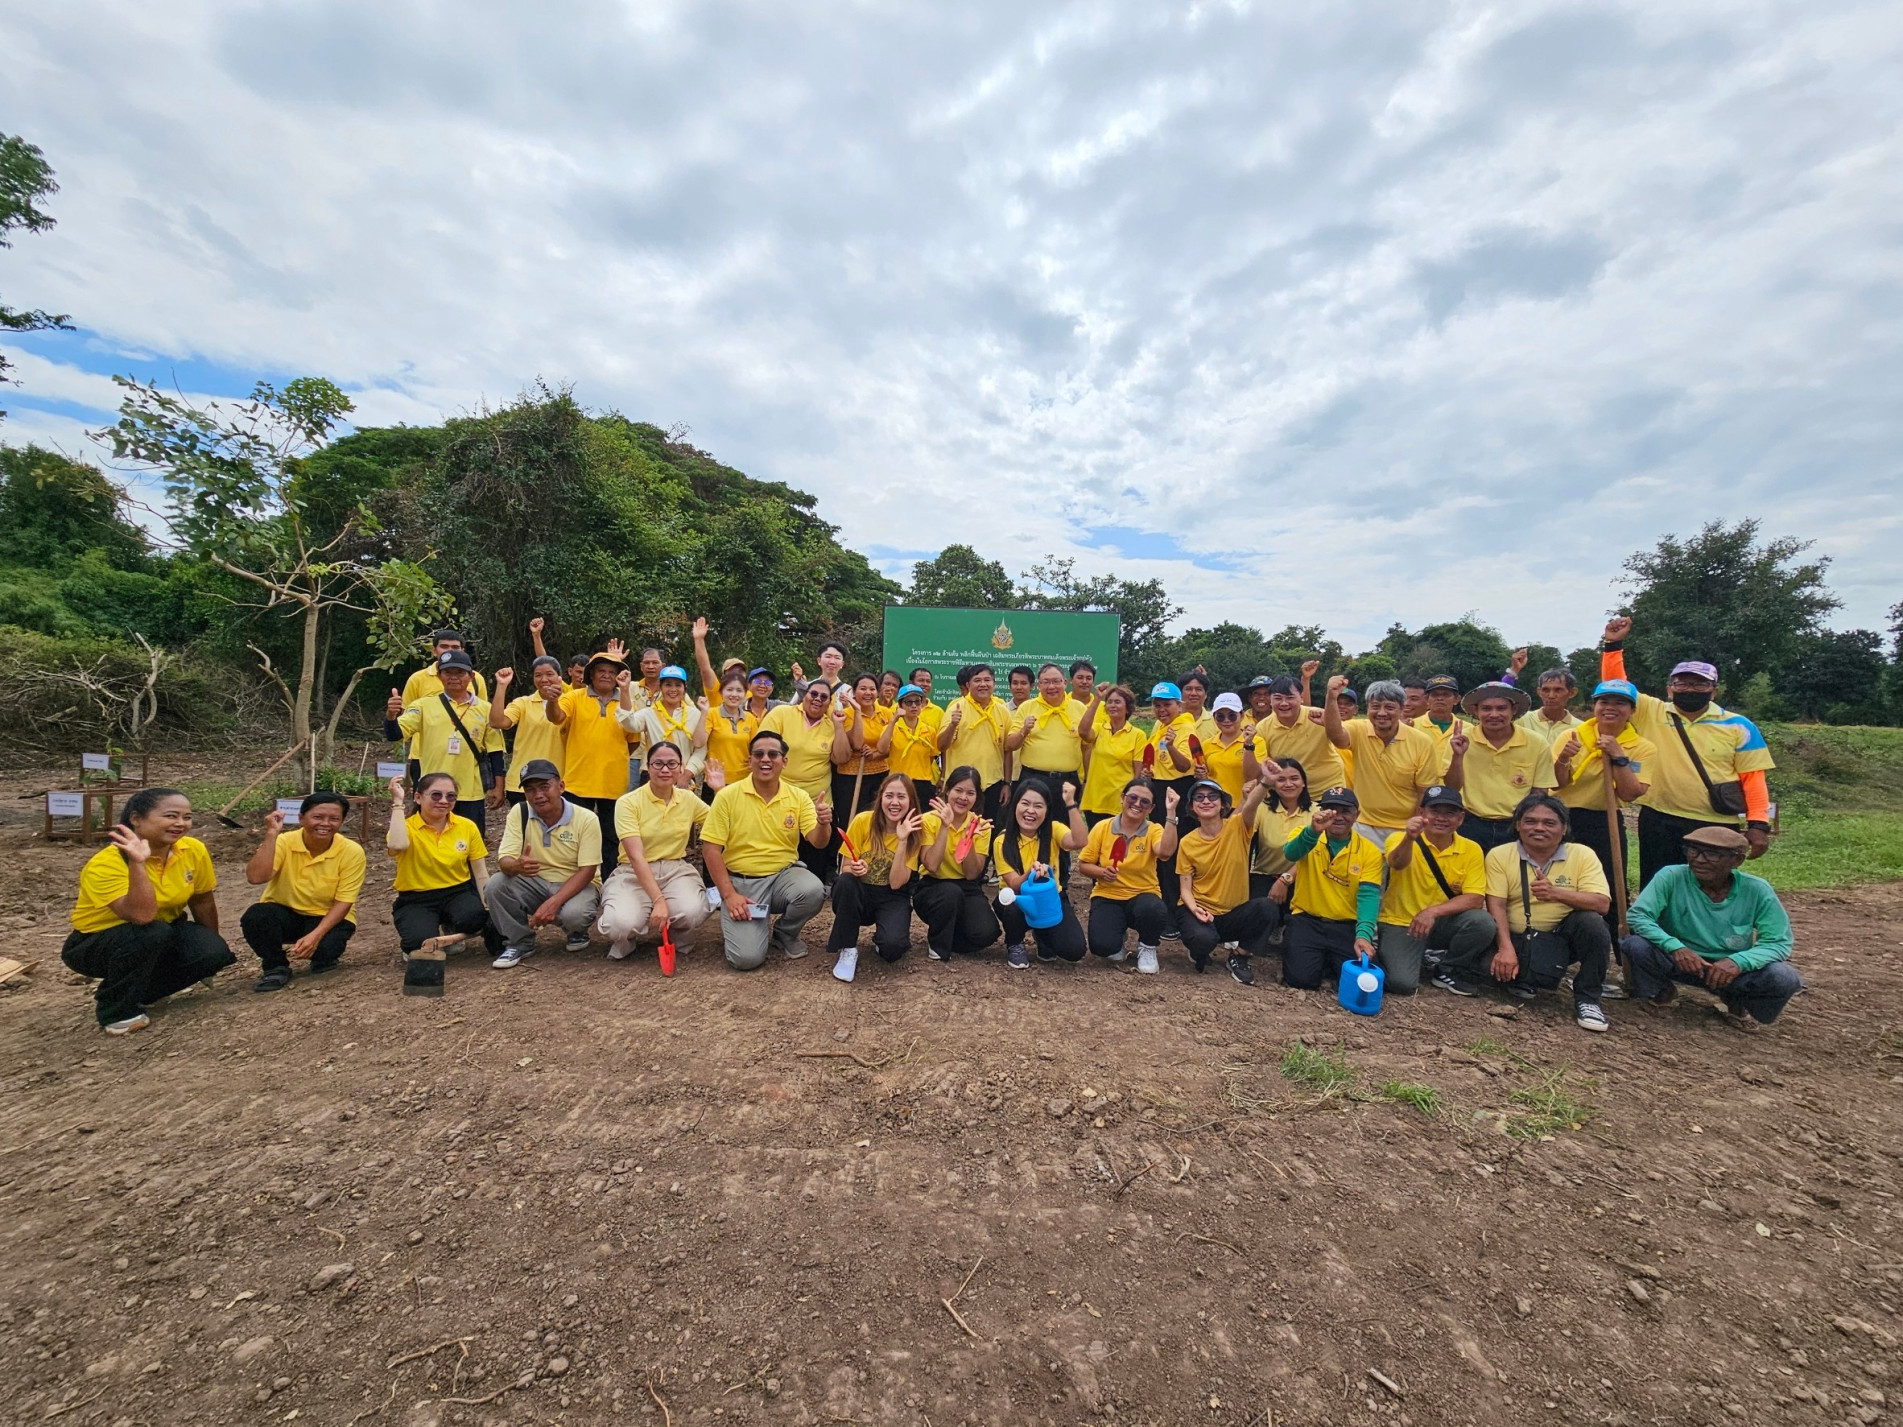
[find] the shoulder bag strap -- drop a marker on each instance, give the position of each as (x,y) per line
(1684,737)
(1434,867)
(468,742)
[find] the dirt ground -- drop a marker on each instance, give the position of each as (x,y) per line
(579,1191)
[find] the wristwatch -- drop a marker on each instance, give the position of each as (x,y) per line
(1622,763)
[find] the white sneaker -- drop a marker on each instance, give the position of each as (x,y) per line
(845,964)
(619,949)
(1588,1017)
(577,942)
(128,1025)
(509,960)
(1146,960)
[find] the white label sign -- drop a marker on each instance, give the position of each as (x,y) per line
(96,762)
(288,807)
(387,771)
(66,805)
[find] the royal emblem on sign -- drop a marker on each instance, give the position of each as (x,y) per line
(1001,636)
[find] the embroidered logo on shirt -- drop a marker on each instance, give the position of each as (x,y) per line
(790,822)
(462,845)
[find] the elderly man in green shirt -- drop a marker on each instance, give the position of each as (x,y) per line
(1707,924)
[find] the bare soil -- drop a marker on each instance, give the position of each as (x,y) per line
(579,1191)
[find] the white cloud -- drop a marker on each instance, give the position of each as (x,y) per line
(1405,312)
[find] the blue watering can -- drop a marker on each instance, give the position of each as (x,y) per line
(1040,901)
(1361,983)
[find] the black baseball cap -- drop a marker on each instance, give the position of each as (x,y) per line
(1442,684)
(536,769)
(1442,796)
(1339,798)
(455,659)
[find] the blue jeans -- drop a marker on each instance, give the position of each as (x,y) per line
(1759,994)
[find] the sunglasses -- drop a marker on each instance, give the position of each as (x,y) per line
(436,797)
(767,753)
(1698,853)
(1225,716)
(1205,796)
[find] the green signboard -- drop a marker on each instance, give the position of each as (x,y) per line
(945,640)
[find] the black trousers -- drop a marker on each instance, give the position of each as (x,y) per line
(604,811)
(1315,948)
(477,811)
(1065,940)
(957,915)
(515,800)
(1260,885)
(1589,830)
(1111,920)
(1662,840)
(857,903)
(991,803)
(1245,925)
(422,915)
(842,794)
(1589,943)
(269,927)
(1185,821)
(1488,832)
(137,965)
(926,790)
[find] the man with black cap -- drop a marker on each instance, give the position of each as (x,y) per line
(1434,907)
(1441,718)
(448,732)
(424,683)
(1711,763)
(551,864)
(1499,765)
(1705,923)
(1337,899)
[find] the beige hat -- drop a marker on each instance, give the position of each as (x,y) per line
(1712,835)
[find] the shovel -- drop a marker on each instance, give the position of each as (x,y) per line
(667,950)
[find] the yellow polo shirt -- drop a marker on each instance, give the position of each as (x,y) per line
(426,683)
(1225,764)
(1443,737)
(1586,789)
(1027,851)
(573,843)
(1389,777)
(662,827)
(871,730)
(657,723)
(1728,743)
(876,855)
(309,884)
(759,836)
(809,751)
(1116,756)
(596,753)
(979,740)
(1534,722)
(435,860)
(535,737)
(1412,889)
(107,876)
(1204,726)
(1273,829)
(1497,778)
(1166,770)
(1218,867)
(1136,869)
(1575,867)
(1052,744)
(915,750)
(1328,883)
(1307,743)
(727,740)
(948,868)
(438,747)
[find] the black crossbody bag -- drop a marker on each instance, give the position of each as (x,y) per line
(1727,799)
(1434,867)
(1544,956)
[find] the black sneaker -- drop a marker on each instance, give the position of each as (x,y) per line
(1239,968)
(1017,958)
(1044,958)
(1447,981)
(274,980)
(1520,991)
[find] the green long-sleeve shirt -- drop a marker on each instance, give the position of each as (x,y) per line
(1367,894)
(1750,926)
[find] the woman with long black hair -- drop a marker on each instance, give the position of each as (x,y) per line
(954,846)
(1030,847)
(145,923)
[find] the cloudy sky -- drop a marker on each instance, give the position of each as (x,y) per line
(1331,312)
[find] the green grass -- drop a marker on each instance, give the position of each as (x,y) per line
(1838,792)
(1424,1098)
(1488,1045)
(1547,1107)
(1326,1071)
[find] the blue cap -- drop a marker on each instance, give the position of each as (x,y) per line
(905,689)
(1619,689)
(1167,690)
(673,671)
(753,674)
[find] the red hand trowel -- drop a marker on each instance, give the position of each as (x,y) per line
(667,950)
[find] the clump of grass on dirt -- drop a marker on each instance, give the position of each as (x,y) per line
(1488,1045)
(1548,1106)
(1424,1098)
(1326,1071)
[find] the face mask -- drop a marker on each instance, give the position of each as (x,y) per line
(1691,701)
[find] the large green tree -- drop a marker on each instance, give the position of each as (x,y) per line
(25,180)
(1143,609)
(1726,598)
(958,577)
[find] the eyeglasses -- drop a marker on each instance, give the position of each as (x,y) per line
(1205,796)
(1697,852)
(1139,800)
(436,797)
(658,766)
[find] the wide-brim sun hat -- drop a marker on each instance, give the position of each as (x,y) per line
(1494,689)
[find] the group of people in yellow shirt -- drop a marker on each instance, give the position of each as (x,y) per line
(1448,835)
